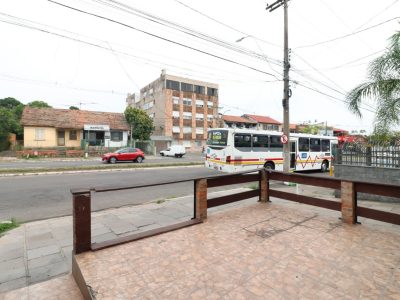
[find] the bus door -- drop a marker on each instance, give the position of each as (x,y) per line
(293,154)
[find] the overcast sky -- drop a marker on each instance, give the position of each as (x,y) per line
(83,59)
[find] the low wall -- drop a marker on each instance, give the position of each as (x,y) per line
(372,174)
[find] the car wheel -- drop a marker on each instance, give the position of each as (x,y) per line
(176,155)
(139,159)
(112,160)
(324,166)
(162,154)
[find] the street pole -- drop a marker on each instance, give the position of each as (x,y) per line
(286,90)
(285,102)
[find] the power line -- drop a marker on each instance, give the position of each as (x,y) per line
(379,13)
(330,96)
(224,24)
(346,35)
(146,61)
(162,38)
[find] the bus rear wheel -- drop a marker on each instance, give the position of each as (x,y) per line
(269,166)
(324,166)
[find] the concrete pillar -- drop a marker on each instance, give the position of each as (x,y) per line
(81,223)
(264,186)
(201,199)
(348,195)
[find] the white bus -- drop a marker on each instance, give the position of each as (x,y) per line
(233,150)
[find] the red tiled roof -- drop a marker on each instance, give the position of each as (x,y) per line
(262,119)
(69,118)
(237,119)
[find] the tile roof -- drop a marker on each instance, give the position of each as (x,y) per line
(262,119)
(74,119)
(237,119)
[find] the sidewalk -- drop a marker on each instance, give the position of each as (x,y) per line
(42,250)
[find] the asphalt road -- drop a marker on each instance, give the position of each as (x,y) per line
(59,162)
(29,198)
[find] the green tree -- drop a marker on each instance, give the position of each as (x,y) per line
(10,115)
(383,86)
(141,124)
(74,108)
(311,129)
(39,104)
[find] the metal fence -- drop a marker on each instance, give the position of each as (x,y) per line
(361,154)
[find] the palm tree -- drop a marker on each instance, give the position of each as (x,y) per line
(383,86)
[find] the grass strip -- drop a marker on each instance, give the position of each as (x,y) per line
(4,226)
(99,167)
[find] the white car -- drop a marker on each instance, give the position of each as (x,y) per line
(174,150)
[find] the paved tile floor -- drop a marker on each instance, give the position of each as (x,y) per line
(258,251)
(41,250)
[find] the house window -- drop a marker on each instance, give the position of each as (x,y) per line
(116,136)
(173,85)
(186,87)
(39,134)
(72,135)
(198,89)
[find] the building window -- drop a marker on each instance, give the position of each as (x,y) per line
(153,115)
(199,103)
(175,100)
(187,129)
(212,91)
(176,129)
(198,89)
(175,114)
(173,85)
(39,134)
(209,104)
(199,130)
(187,101)
(148,105)
(72,135)
(186,87)
(116,136)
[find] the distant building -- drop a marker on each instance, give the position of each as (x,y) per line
(182,110)
(49,127)
(131,100)
(237,122)
(265,123)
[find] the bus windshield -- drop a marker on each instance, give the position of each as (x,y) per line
(217,138)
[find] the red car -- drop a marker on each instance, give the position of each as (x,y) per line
(125,154)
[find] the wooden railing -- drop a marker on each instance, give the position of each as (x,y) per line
(347,205)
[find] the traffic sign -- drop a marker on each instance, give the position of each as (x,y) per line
(284,139)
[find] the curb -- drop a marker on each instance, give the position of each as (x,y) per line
(99,170)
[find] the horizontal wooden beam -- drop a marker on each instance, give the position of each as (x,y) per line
(306,179)
(142,235)
(232,198)
(306,200)
(232,179)
(378,189)
(378,215)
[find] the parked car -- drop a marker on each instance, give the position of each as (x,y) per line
(124,154)
(174,150)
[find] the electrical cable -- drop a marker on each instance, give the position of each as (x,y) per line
(346,35)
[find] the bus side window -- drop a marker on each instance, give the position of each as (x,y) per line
(304,144)
(243,142)
(260,143)
(315,145)
(275,144)
(325,144)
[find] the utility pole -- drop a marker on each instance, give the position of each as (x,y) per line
(286,90)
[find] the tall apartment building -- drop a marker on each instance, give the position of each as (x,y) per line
(182,110)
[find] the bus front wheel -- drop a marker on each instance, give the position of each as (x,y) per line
(269,166)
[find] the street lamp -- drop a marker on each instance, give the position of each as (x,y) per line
(222,117)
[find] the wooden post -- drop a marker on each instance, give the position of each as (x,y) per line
(201,199)
(264,186)
(349,203)
(81,222)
